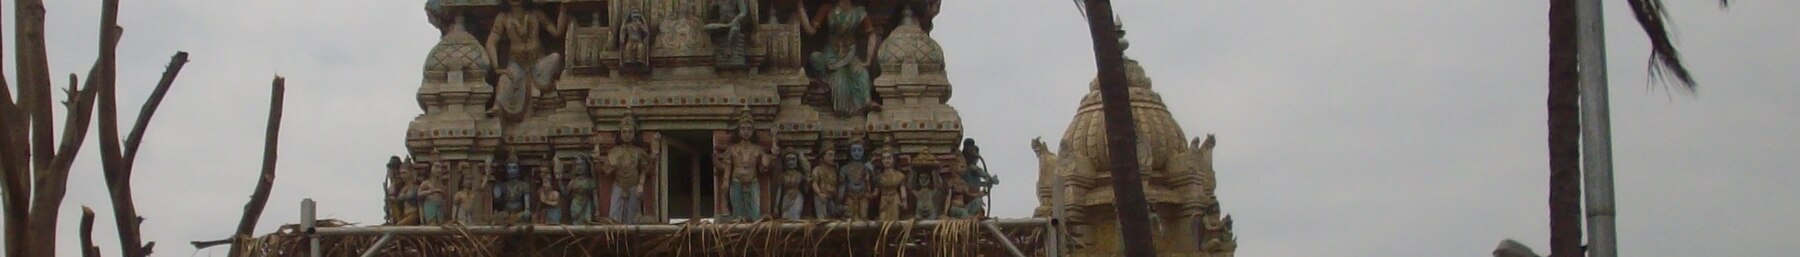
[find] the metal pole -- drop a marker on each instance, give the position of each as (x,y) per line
(1596,130)
(1001,237)
(308,224)
(376,248)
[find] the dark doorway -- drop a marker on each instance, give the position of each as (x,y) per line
(690,169)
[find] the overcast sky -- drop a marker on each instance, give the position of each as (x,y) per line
(1346,128)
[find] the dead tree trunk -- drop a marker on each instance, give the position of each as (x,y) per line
(259,198)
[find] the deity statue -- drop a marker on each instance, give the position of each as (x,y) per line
(925,186)
(825,182)
(976,177)
(434,200)
(844,67)
(743,161)
(634,42)
(890,185)
(549,199)
(626,165)
(958,208)
(398,204)
(529,70)
(468,198)
(733,19)
(514,195)
(855,188)
(793,178)
(581,193)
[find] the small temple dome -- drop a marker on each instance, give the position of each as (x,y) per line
(1155,126)
(910,44)
(458,51)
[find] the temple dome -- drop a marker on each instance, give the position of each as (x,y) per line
(1155,126)
(457,51)
(910,44)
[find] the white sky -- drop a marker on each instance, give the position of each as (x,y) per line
(1346,128)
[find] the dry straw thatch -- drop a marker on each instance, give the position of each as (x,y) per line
(817,239)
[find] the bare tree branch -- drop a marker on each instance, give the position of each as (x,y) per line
(87,233)
(253,210)
(143,119)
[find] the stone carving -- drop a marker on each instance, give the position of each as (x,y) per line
(728,29)
(468,197)
(959,208)
(1047,166)
(399,205)
(978,181)
(529,69)
(627,165)
(743,161)
(549,198)
(825,182)
(889,184)
(514,195)
(791,202)
(855,188)
(521,83)
(635,42)
(841,65)
(581,190)
(434,200)
(925,186)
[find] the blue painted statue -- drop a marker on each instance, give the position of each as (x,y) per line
(514,195)
(855,188)
(976,177)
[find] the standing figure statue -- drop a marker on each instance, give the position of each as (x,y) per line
(549,199)
(529,69)
(979,181)
(634,42)
(855,188)
(841,63)
(581,193)
(890,185)
(793,178)
(394,206)
(434,204)
(825,182)
(468,199)
(924,191)
(514,195)
(733,19)
(626,165)
(743,161)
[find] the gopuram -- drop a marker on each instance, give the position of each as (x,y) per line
(1178,177)
(731,128)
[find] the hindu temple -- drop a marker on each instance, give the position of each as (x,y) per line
(735,128)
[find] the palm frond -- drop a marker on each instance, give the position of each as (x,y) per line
(1665,60)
